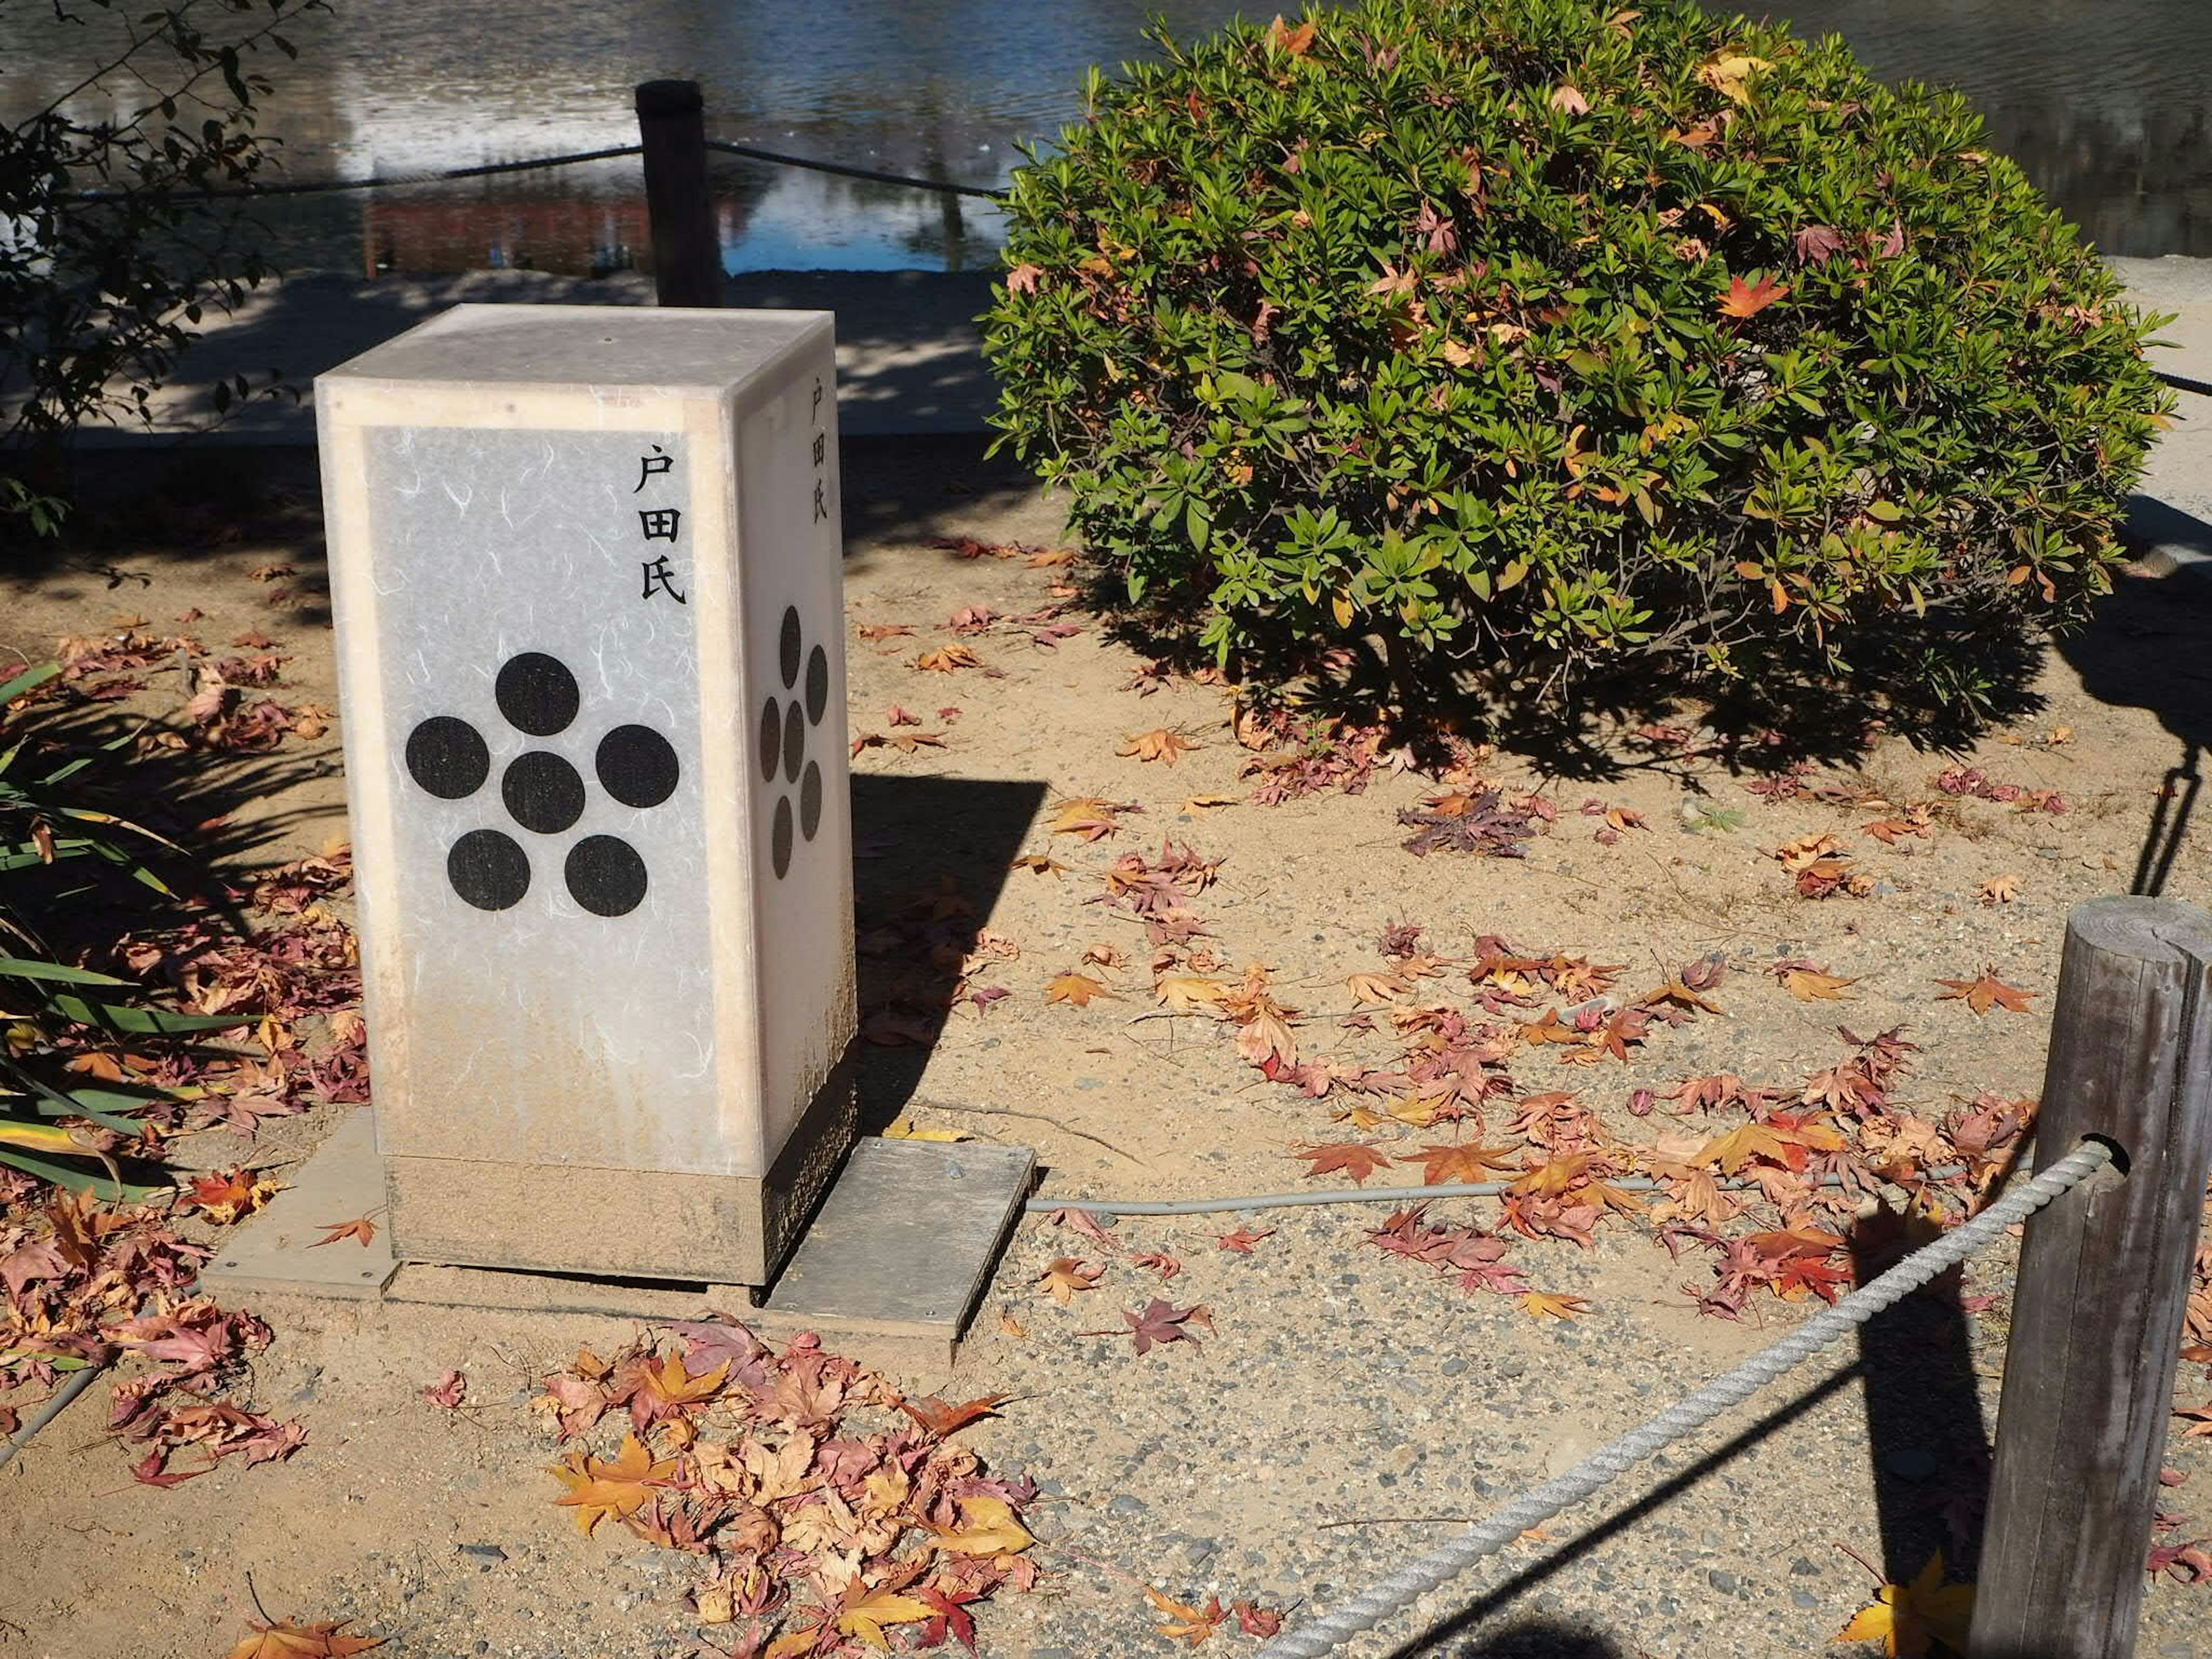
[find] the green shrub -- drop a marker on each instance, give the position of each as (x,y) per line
(1499,338)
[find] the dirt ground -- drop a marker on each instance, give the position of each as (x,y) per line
(1349,1403)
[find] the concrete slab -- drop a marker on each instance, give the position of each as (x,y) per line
(906,1238)
(274,1249)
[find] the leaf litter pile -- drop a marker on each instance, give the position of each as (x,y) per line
(828,1510)
(88,1282)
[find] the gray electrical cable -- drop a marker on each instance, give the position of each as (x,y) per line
(77,1384)
(1046,1204)
(1448,1560)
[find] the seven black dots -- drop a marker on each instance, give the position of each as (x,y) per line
(783,738)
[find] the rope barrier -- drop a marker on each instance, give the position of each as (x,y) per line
(491,169)
(389,180)
(723,147)
(1325,1635)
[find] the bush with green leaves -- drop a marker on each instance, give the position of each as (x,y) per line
(1496,340)
(122,221)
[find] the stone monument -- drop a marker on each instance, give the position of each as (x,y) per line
(586,572)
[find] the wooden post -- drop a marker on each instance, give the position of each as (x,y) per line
(2104,1275)
(687,256)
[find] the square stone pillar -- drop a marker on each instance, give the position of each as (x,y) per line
(586,571)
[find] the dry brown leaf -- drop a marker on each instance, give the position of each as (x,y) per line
(1077,989)
(1811,985)
(948,657)
(1064,1276)
(1998,889)
(1157,744)
(1986,993)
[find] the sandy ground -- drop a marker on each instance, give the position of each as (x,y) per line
(1349,1403)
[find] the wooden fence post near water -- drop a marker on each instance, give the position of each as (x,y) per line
(2104,1276)
(687,256)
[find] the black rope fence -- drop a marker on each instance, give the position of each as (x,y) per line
(491,169)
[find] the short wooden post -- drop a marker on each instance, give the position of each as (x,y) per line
(687,256)
(2104,1276)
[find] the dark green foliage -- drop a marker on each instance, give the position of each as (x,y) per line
(1497,339)
(114,248)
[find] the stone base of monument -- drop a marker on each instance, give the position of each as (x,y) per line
(889,1271)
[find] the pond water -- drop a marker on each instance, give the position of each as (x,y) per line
(2105,102)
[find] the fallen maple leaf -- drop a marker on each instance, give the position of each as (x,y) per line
(1542,1304)
(987,1526)
(1178,1621)
(1986,993)
(599,1488)
(1906,1619)
(361,1228)
(1157,744)
(1077,989)
(1810,984)
(866,1611)
(947,658)
(942,1418)
(1748,300)
(1039,863)
(286,1640)
(1241,1242)
(873,631)
(1449,1164)
(226,1196)
(1354,1158)
(1998,889)
(1066,1275)
(1159,1323)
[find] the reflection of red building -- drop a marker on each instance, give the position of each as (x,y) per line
(434,231)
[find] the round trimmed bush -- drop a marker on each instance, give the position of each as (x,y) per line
(1498,339)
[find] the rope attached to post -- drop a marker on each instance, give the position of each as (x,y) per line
(1599,1469)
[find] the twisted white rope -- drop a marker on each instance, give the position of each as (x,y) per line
(1455,1556)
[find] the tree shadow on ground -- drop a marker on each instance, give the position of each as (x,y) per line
(2150,646)
(1541,1638)
(1928,1444)
(1936,685)
(1434,1642)
(930,855)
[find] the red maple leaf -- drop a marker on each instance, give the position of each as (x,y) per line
(1749,299)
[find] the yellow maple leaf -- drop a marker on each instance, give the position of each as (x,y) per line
(599,1488)
(1179,1621)
(905,1129)
(1542,1304)
(988,1527)
(1729,73)
(1906,1618)
(947,658)
(1811,985)
(1077,989)
(866,1616)
(1189,994)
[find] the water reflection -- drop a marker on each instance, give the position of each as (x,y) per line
(2106,104)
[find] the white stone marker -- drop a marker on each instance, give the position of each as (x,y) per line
(585,564)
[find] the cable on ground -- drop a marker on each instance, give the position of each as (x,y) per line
(1046,1204)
